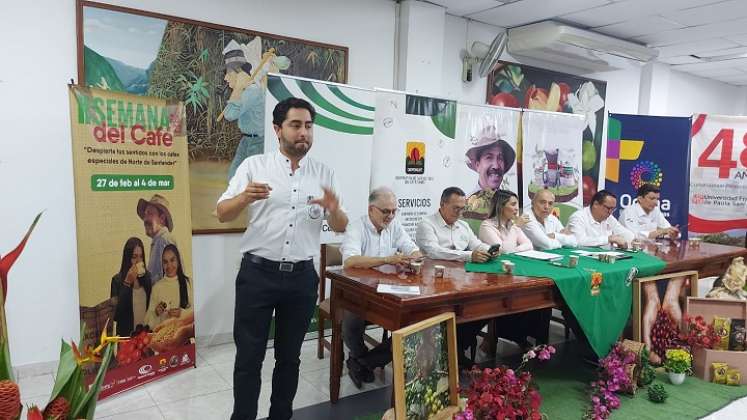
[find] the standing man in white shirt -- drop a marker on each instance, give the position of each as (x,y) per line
(644,218)
(373,240)
(286,195)
(544,229)
(442,236)
(595,225)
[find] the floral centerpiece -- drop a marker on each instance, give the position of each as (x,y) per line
(504,393)
(698,334)
(613,377)
(677,364)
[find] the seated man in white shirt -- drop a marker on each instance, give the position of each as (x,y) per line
(544,229)
(373,240)
(595,225)
(644,218)
(442,236)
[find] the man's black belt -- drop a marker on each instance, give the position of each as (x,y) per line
(287,267)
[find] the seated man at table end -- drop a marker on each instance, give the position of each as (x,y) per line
(373,240)
(544,229)
(443,236)
(644,218)
(596,226)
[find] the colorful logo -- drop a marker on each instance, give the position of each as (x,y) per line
(415,158)
(646,172)
(596,283)
(618,150)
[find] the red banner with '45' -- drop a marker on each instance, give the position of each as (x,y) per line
(718,178)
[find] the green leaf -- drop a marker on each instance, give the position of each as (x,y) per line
(86,406)
(64,381)
(6,369)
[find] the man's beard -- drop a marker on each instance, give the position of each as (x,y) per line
(296,149)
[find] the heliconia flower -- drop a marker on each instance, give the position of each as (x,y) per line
(7,261)
(34,413)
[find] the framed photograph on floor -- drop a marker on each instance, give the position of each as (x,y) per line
(426,375)
(658,309)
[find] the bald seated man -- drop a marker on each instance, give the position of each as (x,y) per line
(544,229)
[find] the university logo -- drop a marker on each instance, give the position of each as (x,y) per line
(415,158)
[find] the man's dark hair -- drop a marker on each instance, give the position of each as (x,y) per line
(281,109)
(451,191)
(601,195)
(648,188)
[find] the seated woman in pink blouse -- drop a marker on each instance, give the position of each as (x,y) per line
(503,224)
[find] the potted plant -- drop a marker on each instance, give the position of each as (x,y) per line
(677,365)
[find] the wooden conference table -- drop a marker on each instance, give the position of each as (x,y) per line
(474,296)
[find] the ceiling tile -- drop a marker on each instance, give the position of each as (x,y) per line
(530,11)
(697,47)
(636,27)
(695,16)
(465,7)
(723,72)
(740,39)
(694,33)
(712,65)
(680,59)
(724,52)
(626,10)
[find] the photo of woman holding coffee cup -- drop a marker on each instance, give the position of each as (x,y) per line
(172,295)
(131,288)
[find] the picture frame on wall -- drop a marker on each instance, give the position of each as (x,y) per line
(659,304)
(426,374)
(218,71)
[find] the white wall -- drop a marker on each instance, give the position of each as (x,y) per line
(35,157)
(690,94)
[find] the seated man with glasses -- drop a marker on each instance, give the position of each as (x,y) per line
(596,226)
(443,236)
(373,240)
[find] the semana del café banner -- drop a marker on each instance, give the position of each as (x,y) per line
(718,178)
(343,135)
(440,144)
(644,149)
(134,232)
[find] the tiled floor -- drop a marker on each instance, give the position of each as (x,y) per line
(205,393)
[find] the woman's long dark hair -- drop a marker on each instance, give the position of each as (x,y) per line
(499,201)
(183,279)
(129,249)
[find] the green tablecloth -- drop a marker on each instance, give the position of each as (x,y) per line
(601,313)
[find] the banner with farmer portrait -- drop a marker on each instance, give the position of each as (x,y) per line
(134,233)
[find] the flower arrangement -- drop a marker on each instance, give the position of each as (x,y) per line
(503,393)
(698,333)
(678,361)
(613,377)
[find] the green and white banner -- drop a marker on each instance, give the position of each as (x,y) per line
(343,134)
(552,151)
(423,145)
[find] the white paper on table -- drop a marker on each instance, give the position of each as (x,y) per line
(396,289)
(539,255)
(597,254)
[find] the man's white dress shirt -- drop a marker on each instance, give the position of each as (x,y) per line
(283,227)
(441,241)
(362,239)
(538,233)
(589,232)
(641,223)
